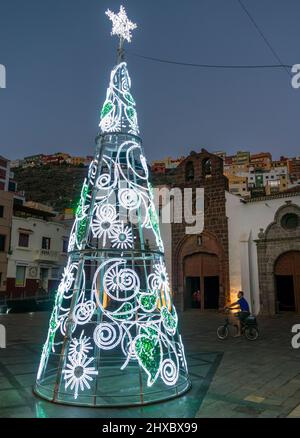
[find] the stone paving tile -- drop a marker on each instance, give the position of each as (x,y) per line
(295,413)
(268,368)
(19,361)
(26,380)
(254,398)
(20,368)
(218,409)
(4,384)
(265,367)
(269,414)
(20,412)
(10,398)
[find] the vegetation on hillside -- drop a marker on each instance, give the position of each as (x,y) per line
(60,186)
(56,186)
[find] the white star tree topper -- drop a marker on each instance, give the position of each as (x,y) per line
(122,26)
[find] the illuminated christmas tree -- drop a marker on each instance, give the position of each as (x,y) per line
(113,337)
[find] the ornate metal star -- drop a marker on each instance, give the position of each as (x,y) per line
(122,26)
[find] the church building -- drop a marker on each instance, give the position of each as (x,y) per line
(251,245)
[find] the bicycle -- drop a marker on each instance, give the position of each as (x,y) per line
(249,328)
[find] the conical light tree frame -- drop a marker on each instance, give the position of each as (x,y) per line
(113,335)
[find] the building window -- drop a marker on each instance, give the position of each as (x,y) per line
(20,276)
(65,245)
(2,242)
(23,240)
(12,186)
(206,167)
(3,163)
(1,211)
(55,273)
(46,241)
(290,221)
(189,171)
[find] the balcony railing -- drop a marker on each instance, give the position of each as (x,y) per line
(46,255)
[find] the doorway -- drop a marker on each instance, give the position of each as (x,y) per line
(285,293)
(211,292)
(202,273)
(192,286)
(287,282)
(44,276)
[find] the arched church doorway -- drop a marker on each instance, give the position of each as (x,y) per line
(202,281)
(287,281)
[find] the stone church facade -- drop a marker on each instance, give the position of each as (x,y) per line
(278,257)
(201,262)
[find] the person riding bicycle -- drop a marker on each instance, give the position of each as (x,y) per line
(244,310)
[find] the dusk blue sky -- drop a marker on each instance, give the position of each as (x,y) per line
(59,53)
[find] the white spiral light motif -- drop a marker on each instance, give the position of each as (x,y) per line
(93,171)
(121,281)
(83,312)
(72,242)
(63,325)
(106,211)
(169,372)
(68,277)
(145,167)
(134,154)
(129,199)
(103,181)
(105,336)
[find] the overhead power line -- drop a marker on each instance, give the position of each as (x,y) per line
(265,39)
(217,66)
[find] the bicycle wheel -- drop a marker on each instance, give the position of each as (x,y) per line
(251,333)
(222,332)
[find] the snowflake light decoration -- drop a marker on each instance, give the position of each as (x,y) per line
(159,279)
(80,347)
(122,26)
(105,222)
(122,237)
(78,374)
(67,280)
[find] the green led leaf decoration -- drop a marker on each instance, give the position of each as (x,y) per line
(148,302)
(81,229)
(107,107)
(124,312)
(130,112)
(170,320)
(148,331)
(149,354)
(130,99)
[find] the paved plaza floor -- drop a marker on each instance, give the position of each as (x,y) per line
(232,378)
